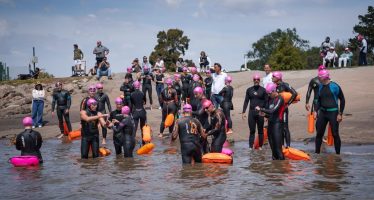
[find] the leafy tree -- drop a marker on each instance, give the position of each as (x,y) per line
(312,58)
(170,45)
(263,48)
(365,27)
(286,56)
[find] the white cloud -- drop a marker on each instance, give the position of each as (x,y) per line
(93,16)
(173,3)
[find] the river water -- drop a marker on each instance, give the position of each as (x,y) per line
(161,175)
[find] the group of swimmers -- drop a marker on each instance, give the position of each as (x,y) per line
(201,117)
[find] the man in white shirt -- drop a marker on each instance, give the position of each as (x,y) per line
(268,76)
(363,50)
(218,84)
(330,57)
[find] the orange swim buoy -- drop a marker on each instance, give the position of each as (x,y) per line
(147,148)
(287,96)
(217,158)
(330,138)
(169,120)
(74,135)
(310,123)
(256,144)
(66,130)
(295,154)
(146,133)
(103,151)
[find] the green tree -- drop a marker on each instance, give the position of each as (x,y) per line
(312,58)
(286,56)
(263,48)
(170,45)
(365,27)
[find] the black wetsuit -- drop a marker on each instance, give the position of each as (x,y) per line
(129,77)
(159,87)
(328,110)
(103,99)
(217,130)
(285,87)
(127,128)
(169,100)
(199,113)
(63,100)
(177,86)
(275,111)
(186,79)
(30,142)
(189,131)
(258,97)
(208,86)
(147,85)
(90,136)
(127,89)
(138,111)
(83,105)
(193,85)
(117,135)
(227,92)
(313,86)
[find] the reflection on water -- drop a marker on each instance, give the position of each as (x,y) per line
(161,175)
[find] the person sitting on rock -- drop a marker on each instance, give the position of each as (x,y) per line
(330,57)
(104,69)
(345,57)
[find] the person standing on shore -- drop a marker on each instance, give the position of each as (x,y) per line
(328,110)
(38,97)
(217,85)
(227,93)
(29,141)
(258,97)
(117,135)
(217,126)
(363,50)
(313,86)
(147,77)
(169,101)
(208,81)
(268,76)
(101,52)
(61,100)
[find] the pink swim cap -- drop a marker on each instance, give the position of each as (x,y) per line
(129,69)
(99,86)
(169,81)
(196,77)
(198,90)
(271,87)
(92,88)
(177,76)
(321,67)
(145,68)
(125,110)
(184,69)
(256,77)
(91,101)
(278,75)
(187,108)
(27,121)
(206,104)
(118,100)
(324,74)
(228,79)
(208,71)
(136,84)
(193,70)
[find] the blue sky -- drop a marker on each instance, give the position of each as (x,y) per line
(225,29)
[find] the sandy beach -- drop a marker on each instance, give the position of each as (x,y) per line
(357,125)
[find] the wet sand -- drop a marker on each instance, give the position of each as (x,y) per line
(357,125)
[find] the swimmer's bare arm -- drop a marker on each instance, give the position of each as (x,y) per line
(174,135)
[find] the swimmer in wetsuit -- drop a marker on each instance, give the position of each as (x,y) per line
(285,87)
(90,118)
(29,141)
(139,113)
(61,100)
(274,110)
(127,88)
(313,86)
(102,100)
(199,113)
(226,104)
(217,126)
(169,99)
(328,109)
(147,77)
(189,131)
(208,81)
(127,128)
(178,87)
(117,135)
(186,79)
(257,97)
